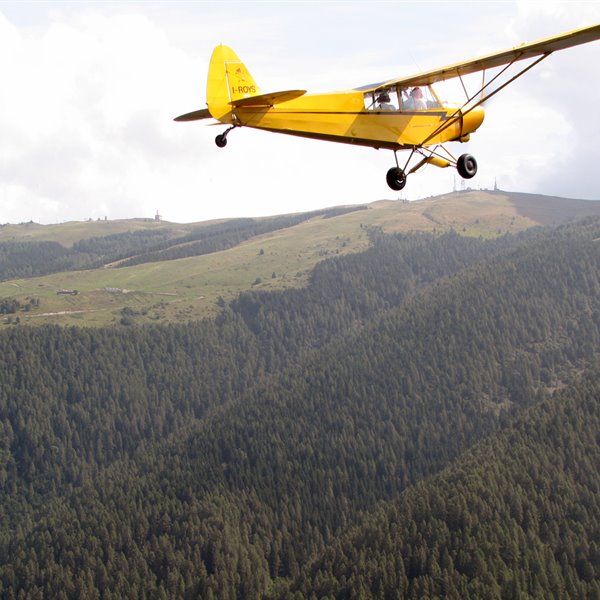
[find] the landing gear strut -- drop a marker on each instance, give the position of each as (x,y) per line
(466,165)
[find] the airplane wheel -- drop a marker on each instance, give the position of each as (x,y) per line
(221,140)
(466,165)
(396,178)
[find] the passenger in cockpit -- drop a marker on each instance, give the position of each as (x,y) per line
(416,100)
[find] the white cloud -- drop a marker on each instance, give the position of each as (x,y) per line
(90,91)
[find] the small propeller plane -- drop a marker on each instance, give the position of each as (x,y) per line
(400,114)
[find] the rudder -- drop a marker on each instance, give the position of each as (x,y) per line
(228,80)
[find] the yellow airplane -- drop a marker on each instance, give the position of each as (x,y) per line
(400,114)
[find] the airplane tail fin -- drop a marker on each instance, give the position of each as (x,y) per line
(228,81)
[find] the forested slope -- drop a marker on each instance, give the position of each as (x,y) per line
(316,406)
(91,397)
(517,517)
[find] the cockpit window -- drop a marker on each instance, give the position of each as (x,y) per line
(418,98)
(401,99)
(384,99)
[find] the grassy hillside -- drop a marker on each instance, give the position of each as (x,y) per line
(190,288)
(74,231)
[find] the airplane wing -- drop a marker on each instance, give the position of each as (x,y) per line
(195,115)
(268,99)
(497,59)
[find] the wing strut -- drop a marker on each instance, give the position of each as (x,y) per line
(459,114)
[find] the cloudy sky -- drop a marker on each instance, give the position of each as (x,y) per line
(89,90)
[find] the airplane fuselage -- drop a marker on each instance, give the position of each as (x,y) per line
(342,117)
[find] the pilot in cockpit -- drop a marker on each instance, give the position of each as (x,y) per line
(383,102)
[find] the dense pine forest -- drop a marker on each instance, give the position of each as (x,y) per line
(421,421)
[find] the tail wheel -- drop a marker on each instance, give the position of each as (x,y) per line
(466,165)
(221,140)
(396,178)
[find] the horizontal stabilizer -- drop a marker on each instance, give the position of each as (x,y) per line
(268,99)
(195,116)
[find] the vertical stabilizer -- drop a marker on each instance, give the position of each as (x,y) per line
(228,80)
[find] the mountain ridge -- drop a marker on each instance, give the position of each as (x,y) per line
(188,288)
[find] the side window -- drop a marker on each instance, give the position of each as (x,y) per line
(382,100)
(403,99)
(418,98)
(369,101)
(431,98)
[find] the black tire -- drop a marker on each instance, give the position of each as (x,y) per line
(466,165)
(221,140)
(396,178)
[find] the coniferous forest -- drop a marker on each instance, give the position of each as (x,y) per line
(421,421)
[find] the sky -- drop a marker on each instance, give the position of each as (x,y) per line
(89,90)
